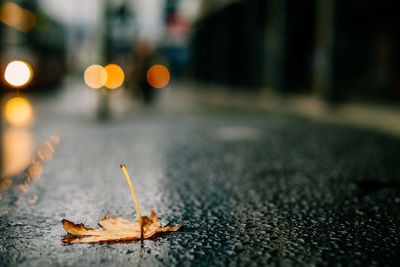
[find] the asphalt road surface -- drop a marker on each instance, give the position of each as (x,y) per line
(255,188)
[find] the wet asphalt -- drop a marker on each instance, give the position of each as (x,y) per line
(255,188)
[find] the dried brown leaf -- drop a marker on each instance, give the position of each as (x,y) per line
(116,229)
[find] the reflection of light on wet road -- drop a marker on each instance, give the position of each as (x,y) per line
(35,165)
(15,16)
(17,140)
(18,73)
(17,150)
(237,133)
(18,111)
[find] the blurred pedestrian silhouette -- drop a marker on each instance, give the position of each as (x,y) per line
(143,53)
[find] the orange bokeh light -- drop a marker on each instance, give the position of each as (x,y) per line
(95,76)
(158,76)
(115,76)
(17,17)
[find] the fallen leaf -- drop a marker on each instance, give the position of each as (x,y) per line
(33,201)
(5,184)
(116,229)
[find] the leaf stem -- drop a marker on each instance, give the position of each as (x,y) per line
(123,167)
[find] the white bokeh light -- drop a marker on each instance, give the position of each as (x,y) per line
(17,73)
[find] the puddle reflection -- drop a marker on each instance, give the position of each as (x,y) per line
(17,141)
(17,150)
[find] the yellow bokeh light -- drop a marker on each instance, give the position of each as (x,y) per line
(95,76)
(18,73)
(115,76)
(17,17)
(18,111)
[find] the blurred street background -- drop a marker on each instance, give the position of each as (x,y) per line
(271,126)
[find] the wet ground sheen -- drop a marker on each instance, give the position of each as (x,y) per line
(256,189)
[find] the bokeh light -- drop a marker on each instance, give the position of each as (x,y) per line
(115,76)
(18,111)
(17,17)
(158,76)
(95,76)
(18,73)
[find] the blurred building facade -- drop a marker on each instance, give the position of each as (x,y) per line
(336,49)
(30,35)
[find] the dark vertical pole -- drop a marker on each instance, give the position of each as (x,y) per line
(103,111)
(323,53)
(275,42)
